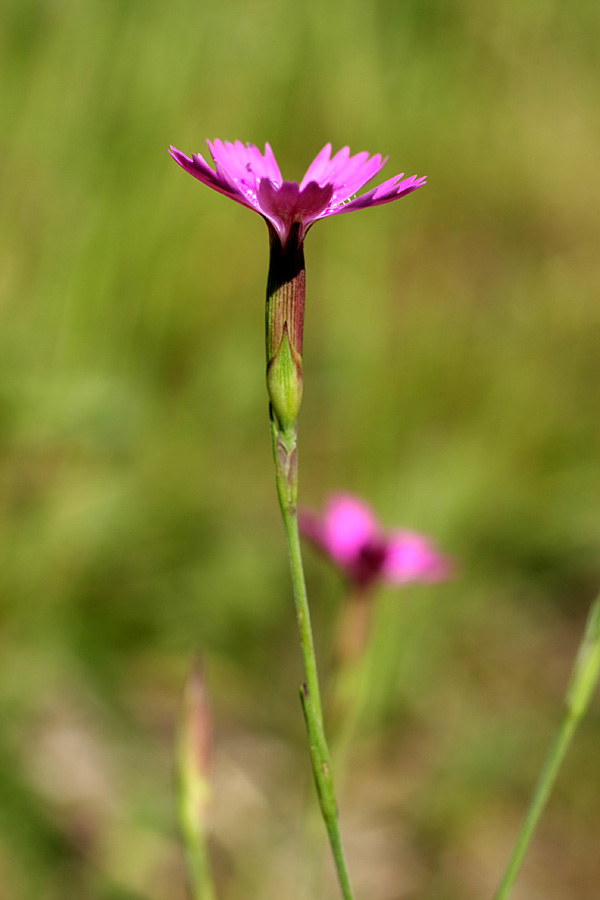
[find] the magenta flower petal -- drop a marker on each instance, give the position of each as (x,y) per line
(359,170)
(342,167)
(412,557)
(197,167)
(317,171)
(348,526)
(313,199)
(346,173)
(392,189)
(288,204)
(234,168)
(278,202)
(245,164)
(264,166)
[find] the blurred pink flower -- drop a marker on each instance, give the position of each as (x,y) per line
(349,534)
(253,179)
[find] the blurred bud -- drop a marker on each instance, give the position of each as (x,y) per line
(194,754)
(586,670)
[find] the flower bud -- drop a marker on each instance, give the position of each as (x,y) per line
(284,382)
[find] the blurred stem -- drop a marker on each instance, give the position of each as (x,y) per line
(579,694)
(194,841)
(286,469)
(355,626)
(198,867)
(350,689)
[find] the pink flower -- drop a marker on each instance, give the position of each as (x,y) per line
(350,535)
(253,179)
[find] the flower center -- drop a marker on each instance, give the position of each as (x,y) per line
(369,560)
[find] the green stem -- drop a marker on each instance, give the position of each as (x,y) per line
(198,867)
(194,840)
(579,694)
(321,764)
(285,455)
(193,782)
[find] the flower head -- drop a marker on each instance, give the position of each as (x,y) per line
(253,179)
(349,534)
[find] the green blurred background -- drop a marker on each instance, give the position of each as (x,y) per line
(452,380)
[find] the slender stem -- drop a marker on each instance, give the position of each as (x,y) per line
(194,833)
(321,764)
(579,693)
(193,782)
(284,449)
(285,455)
(198,866)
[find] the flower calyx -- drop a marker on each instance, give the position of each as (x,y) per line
(284,382)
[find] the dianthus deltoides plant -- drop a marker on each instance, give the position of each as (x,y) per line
(329,187)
